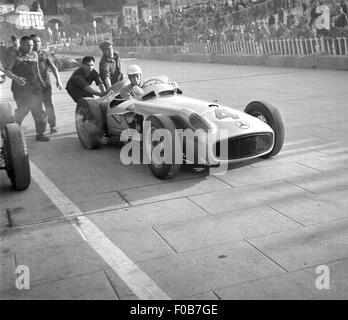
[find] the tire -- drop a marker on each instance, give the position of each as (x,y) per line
(269,114)
(16,157)
(88,129)
(2,77)
(6,115)
(164,171)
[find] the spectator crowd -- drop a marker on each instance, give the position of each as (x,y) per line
(232,20)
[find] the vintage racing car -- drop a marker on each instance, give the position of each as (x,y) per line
(14,156)
(256,132)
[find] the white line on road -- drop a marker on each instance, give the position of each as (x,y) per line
(139,282)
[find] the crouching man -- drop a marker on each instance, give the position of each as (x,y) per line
(79,84)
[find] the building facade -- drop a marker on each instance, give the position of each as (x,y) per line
(23,18)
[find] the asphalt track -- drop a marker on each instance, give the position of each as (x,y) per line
(90,227)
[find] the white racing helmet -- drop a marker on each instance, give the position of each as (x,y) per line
(133,69)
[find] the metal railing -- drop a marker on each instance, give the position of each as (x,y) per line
(288,47)
(293,47)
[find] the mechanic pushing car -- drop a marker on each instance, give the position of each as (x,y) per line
(134,73)
(109,65)
(27,84)
(79,84)
(45,64)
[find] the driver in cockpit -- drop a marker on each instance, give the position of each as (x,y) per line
(135,87)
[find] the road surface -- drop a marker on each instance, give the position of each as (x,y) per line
(90,227)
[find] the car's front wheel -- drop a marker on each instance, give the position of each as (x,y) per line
(163,147)
(270,115)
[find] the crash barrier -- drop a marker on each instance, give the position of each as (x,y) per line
(288,47)
(292,47)
(289,55)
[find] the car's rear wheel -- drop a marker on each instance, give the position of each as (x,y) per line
(87,128)
(6,115)
(270,115)
(163,165)
(16,157)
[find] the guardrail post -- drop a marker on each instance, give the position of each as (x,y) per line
(307,46)
(345,46)
(268,47)
(297,47)
(311,45)
(328,45)
(301,51)
(339,46)
(280,46)
(317,45)
(322,43)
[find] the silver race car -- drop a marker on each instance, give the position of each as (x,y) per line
(170,129)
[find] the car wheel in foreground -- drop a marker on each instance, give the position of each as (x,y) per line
(270,115)
(16,157)
(163,169)
(86,127)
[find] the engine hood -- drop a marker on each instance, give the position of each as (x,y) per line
(219,116)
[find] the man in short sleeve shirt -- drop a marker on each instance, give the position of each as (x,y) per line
(109,65)
(45,65)
(27,84)
(79,84)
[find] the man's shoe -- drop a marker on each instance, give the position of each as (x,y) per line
(53,130)
(43,138)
